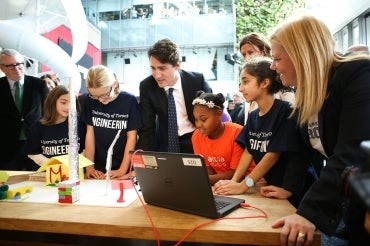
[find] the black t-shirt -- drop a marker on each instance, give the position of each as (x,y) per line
(272,132)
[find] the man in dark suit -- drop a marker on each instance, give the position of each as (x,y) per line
(15,121)
(165,59)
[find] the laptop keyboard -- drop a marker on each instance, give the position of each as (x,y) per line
(221,204)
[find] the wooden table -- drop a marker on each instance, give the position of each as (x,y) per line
(132,222)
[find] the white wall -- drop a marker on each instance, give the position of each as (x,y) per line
(336,13)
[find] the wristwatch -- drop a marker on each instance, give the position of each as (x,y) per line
(249,182)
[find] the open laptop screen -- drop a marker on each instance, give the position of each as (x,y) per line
(178,181)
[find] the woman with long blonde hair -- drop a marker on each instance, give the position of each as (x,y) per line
(332,103)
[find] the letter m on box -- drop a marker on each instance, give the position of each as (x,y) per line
(56,173)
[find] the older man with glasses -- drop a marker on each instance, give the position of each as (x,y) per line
(21,104)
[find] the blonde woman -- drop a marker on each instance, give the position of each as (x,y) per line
(332,103)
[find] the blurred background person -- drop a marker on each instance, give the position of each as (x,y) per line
(51,82)
(357,48)
(237,114)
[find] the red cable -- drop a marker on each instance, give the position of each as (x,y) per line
(242,205)
(155,230)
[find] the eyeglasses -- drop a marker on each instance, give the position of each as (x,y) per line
(103,96)
(13,66)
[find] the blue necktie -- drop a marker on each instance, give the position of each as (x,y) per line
(173,137)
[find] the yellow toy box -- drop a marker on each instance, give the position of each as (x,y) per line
(57,168)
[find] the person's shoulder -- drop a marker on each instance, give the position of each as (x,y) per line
(37,126)
(85,101)
(148,80)
(232,126)
(36,82)
(359,62)
(196,135)
(190,72)
(148,85)
(282,107)
(33,78)
(239,107)
(344,73)
(351,66)
(184,73)
(127,95)
(281,103)
(83,96)
(3,82)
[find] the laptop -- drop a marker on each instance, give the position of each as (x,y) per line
(179,181)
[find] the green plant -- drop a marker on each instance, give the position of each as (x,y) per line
(262,15)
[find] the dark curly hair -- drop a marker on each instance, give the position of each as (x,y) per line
(218,99)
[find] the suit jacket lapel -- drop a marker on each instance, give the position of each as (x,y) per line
(26,89)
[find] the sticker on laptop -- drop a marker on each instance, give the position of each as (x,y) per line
(196,162)
(137,161)
(150,161)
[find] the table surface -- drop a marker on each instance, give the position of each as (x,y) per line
(133,222)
